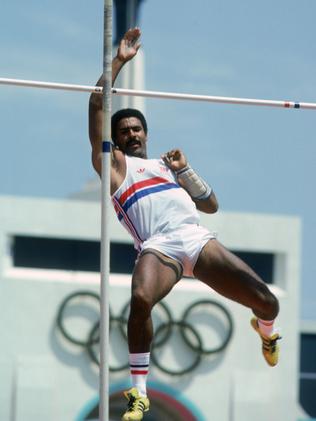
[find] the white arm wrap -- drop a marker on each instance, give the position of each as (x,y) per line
(193,183)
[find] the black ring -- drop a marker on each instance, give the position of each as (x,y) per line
(155,342)
(164,330)
(182,325)
(93,340)
(227,338)
(60,316)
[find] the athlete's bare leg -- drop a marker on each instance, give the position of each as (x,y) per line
(231,277)
(153,278)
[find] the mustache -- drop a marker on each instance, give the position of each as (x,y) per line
(131,142)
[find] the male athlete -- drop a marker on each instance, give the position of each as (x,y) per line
(157,201)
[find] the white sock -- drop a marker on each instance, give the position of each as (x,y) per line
(139,365)
(266,327)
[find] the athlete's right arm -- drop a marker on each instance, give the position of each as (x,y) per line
(127,49)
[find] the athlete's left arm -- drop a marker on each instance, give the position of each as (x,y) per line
(201,193)
(209,205)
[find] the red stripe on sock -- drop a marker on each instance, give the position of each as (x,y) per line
(139,372)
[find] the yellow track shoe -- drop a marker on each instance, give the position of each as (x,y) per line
(136,406)
(270,347)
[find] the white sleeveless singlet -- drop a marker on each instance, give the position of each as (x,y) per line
(150,200)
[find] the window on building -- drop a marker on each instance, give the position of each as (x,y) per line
(84,255)
(308,373)
(70,254)
(261,263)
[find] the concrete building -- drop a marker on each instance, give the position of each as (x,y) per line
(132,76)
(49,281)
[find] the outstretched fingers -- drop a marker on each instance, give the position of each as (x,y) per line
(132,37)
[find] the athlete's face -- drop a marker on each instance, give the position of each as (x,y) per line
(131,138)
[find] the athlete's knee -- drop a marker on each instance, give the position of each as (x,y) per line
(273,305)
(141,304)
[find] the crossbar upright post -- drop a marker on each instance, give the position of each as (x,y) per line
(105,213)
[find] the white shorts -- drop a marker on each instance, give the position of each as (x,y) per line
(183,245)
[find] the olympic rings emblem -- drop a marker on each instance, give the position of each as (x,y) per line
(189,334)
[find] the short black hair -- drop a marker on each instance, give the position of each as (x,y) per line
(126,113)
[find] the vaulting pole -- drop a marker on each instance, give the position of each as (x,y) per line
(105,215)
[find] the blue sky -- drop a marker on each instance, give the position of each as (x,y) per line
(257,159)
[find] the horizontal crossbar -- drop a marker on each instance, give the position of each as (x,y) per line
(161,95)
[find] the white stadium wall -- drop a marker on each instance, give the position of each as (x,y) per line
(45,376)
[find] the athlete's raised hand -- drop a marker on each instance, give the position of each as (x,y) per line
(129,45)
